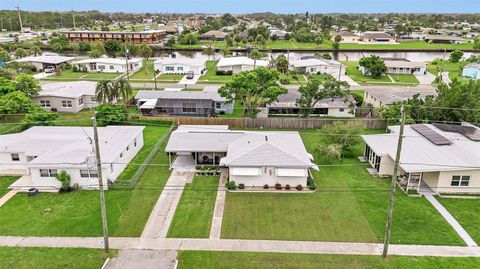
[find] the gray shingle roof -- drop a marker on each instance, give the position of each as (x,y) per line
(199,95)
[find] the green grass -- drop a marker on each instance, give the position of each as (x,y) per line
(211,74)
(350,205)
(69,75)
(51,258)
(142,73)
(405,78)
(5,181)
(250,260)
(466,211)
(358,76)
(193,216)
(78,213)
(175,77)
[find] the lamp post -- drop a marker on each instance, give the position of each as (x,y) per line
(155,72)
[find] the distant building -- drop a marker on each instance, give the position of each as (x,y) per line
(347,37)
(385,96)
(471,71)
(206,103)
(444,39)
(400,67)
(213,35)
(141,37)
(318,66)
(67,96)
(169,29)
(378,38)
(279,34)
(330,107)
(109,65)
(194,22)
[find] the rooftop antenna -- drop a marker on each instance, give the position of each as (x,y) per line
(19,18)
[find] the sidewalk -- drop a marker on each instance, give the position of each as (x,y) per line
(451,220)
(163,212)
(346,248)
(216,228)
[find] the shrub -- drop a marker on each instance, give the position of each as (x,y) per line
(311,184)
(299,187)
(278,186)
(241,186)
(220,72)
(265,186)
(230,185)
(64,178)
(229,73)
(287,187)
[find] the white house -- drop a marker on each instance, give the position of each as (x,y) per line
(109,65)
(67,96)
(40,153)
(318,66)
(179,65)
(385,96)
(254,158)
(239,64)
(435,158)
(43,61)
(406,67)
(330,107)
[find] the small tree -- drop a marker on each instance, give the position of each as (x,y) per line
(36,50)
(255,55)
(209,51)
(64,178)
(4,56)
(122,86)
(146,52)
(373,65)
(281,63)
(27,84)
(113,47)
(75,48)
(111,114)
(341,137)
(104,92)
(476,44)
(170,42)
(455,56)
(20,53)
(39,117)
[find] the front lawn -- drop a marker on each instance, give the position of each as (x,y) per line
(69,75)
(78,213)
(175,77)
(6,181)
(193,216)
(349,205)
(51,258)
(211,74)
(405,78)
(142,73)
(250,260)
(466,212)
(358,76)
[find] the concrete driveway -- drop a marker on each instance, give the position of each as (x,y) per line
(144,259)
(42,75)
(428,78)
(186,81)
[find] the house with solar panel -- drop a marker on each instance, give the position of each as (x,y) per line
(435,158)
(253,158)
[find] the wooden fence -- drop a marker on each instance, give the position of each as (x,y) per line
(268,123)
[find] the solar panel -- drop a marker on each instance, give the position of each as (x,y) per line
(469,132)
(431,135)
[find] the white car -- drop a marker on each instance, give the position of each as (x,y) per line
(49,69)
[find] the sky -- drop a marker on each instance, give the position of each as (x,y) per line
(251,6)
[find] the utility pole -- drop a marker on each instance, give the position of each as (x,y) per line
(100,183)
(393,186)
(126,60)
(73,15)
(11,28)
(19,18)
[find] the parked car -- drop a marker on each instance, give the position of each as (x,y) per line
(49,69)
(190,75)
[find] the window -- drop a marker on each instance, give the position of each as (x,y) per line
(341,109)
(88,173)
(66,103)
(80,101)
(45,103)
(128,148)
(169,68)
(218,105)
(112,67)
(135,142)
(48,172)
(15,157)
(93,99)
(101,67)
(180,68)
(460,181)
(189,108)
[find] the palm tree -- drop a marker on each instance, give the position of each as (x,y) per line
(36,50)
(75,48)
(122,88)
(209,51)
(104,91)
(146,52)
(255,55)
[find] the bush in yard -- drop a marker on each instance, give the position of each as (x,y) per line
(456,56)
(64,178)
(241,186)
(278,186)
(230,185)
(375,66)
(299,187)
(265,186)
(111,114)
(220,72)
(229,73)
(287,187)
(311,184)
